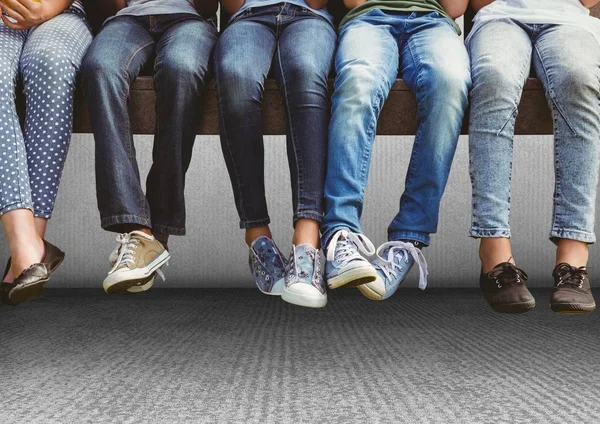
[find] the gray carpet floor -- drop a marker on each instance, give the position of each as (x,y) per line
(165,356)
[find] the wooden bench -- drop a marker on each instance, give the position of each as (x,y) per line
(397,116)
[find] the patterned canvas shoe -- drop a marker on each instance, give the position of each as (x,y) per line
(267,266)
(346,265)
(304,285)
(394,261)
(139,257)
(572,292)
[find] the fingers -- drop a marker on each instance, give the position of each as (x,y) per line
(16,6)
(12,25)
(8,10)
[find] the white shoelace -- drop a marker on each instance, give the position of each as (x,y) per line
(345,246)
(401,250)
(126,248)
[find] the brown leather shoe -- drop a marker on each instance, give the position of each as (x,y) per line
(504,289)
(30,283)
(572,290)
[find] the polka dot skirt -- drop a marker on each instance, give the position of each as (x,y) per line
(47,58)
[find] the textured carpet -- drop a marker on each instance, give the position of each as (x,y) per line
(238,356)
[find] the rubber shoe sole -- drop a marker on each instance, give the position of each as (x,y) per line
(32,291)
(369,293)
(353,278)
(514,308)
(305,300)
(573,308)
(139,277)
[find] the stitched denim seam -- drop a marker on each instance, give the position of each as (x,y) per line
(554,103)
(237,187)
(300,180)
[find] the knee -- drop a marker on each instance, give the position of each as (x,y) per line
(575,81)
(182,70)
(307,76)
(238,82)
(446,83)
(99,69)
(53,68)
(361,85)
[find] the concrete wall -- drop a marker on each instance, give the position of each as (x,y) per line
(213,253)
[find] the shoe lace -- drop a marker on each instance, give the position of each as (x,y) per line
(571,276)
(400,250)
(507,275)
(127,248)
(346,246)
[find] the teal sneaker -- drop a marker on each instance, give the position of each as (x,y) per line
(393,262)
(346,265)
(304,285)
(267,266)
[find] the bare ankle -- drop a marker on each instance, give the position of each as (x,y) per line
(257,232)
(493,251)
(306,231)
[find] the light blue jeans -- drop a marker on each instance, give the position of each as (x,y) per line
(567,61)
(435,65)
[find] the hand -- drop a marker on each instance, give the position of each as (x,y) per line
(25,13)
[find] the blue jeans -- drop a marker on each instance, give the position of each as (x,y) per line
(567,61)
(435,65)
(181,45)
(297,47)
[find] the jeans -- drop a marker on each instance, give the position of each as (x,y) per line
(567,61)
(297,46)
(435,65)
(181,45)
(47,57)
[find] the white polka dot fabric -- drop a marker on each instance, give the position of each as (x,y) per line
(47,58)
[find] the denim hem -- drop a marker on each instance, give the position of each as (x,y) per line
(556,235)
(254,224)
(14,207)
(489,232)
(110,221)
(166,229)
(315,216)
(409,235)
(44,214)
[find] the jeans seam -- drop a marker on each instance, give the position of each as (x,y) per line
(554,104)
(237,188)
(299,181)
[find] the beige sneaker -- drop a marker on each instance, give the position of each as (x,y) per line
(136,259)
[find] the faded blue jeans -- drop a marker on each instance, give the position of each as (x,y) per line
(297,46)
(567,61)
(435,65)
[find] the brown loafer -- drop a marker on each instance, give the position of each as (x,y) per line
(30,283)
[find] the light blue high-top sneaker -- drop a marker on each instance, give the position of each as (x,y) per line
(346,266)
(393,261)
(267,266)
(304,285)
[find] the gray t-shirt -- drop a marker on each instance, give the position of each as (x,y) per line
(157,7)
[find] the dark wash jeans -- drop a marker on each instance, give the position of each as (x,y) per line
(298,47)
(182,45)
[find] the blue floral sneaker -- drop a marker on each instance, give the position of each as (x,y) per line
(345,265)
(304,285)
(394,260)
(267,266)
